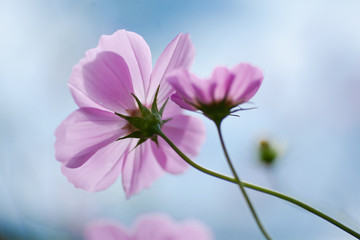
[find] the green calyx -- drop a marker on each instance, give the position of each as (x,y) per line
(216,111)
(149,122)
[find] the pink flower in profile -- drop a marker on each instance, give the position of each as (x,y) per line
(151,226)
(215,97)
(91,143)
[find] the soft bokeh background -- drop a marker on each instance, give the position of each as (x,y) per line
(309,104)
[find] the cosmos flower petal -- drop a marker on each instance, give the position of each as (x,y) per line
(89,143)
(188,134)
(182,81)
(154,226)
(171,110)
(246,83)
(106,230)
(176,98)
(101,169)
(195,230)
(216,96)
(140,169)
(178,54)
(83,133)
(159,226)
(106,80)
(136,53)
(204,90)
(223,78)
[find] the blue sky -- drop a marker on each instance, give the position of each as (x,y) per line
(309,104)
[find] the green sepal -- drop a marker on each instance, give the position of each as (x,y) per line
(136,134)
(141,140)
(123,116)
(149,124)
(155,139)
(166,120)
(163,107)
(137,122)
(143,110)
(154,108)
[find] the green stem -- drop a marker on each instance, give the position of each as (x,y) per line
(242,189)
(261,189)
(304,206)
(193,164)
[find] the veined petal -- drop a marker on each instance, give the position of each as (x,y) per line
(83,133)
(204,90)
(136,53)
(106,80)
(106,230)
(140,169)
(224,79)
(171,110)
(101,169)
(188,134)
(178,54)
(246,83)
(176,98)
(181,81)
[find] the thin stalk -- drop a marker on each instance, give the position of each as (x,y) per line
(193,164)
(241,186)
(262,189)
(304,206)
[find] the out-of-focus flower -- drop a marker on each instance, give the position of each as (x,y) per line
(92,142)
(217,96)
(151,226)
(270,150)
(267,153)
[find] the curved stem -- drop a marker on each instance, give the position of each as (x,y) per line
(242,189)
(193,164)
(304,206)
(262,189)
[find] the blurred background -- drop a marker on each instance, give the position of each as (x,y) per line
(308,108)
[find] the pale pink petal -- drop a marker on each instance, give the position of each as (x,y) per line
(136,53)
(180,102)
(191,88)
(188,134)
(181,81)
(105,230)
(155,227)
(83,133)
(224,79)
(81,99)
(171,110)
(178,54)
(101,169)
(105,80)
(235,87)
(204,90)
(246,83)
(140,168)
(193,230)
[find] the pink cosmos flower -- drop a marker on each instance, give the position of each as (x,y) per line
(151,226)
(215,97)
(91,143)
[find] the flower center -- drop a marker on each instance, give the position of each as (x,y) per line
(144,123)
